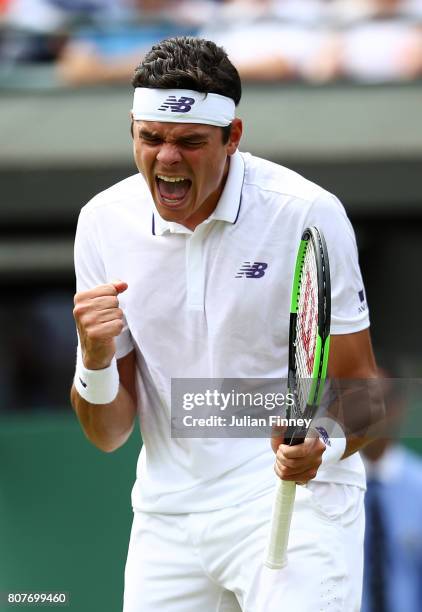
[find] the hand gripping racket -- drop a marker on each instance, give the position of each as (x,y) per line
(309,341)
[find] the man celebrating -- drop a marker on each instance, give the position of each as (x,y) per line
(177,236)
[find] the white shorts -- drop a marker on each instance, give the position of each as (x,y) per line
(213,561)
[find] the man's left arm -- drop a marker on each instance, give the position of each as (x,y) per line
(351,360)
(360,401)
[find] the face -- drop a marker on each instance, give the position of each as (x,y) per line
(185,166)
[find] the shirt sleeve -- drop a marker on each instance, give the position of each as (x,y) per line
(349,310)
(90,271)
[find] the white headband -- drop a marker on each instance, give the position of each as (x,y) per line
(182,106)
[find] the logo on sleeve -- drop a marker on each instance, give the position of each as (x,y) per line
(324,435)
(255,270)
(363,306)
(182,105)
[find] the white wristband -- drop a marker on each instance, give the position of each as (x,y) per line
(96,386)
(334,439)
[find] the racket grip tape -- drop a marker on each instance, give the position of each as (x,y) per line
(276,553)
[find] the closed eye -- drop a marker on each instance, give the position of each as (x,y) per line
(192,143)
(149,137)
(153,140)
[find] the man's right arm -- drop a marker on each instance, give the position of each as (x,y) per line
(99,320)
(108,426)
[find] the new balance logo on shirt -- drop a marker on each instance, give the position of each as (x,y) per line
(182,105)
(255,270)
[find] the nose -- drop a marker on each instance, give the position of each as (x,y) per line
(168,154)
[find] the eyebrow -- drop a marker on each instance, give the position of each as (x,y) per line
(148,134)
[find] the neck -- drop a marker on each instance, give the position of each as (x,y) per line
(210,204)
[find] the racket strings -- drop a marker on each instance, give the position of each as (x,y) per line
(306,327)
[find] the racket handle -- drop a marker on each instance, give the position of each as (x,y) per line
(276,554)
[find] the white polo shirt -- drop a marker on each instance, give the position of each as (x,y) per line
(214,303)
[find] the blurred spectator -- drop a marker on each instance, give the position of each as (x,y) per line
(32,31)
(31,26)
(393,538)
(269,40)
(381,41)
(35,15)
(304,11)
(352,10)
(231,10)
(111,52)
(388,46)
(36,30)
(101,41)
(4,4)
(366,40)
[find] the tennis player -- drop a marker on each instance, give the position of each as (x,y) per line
(184,270)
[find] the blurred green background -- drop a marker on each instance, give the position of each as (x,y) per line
(65,511)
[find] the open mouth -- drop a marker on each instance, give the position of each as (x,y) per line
(172,189)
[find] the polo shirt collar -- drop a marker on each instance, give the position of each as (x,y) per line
(228,206)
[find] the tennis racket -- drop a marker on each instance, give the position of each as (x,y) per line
(309,341)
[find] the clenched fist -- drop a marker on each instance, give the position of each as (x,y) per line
(99,320)
(301,462)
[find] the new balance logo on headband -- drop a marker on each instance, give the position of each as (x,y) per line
(182,105)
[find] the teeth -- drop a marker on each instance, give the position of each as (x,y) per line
(171,179)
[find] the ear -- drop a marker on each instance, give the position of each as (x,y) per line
(131,123)
(235,136)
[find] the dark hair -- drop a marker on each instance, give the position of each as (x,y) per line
(186,62)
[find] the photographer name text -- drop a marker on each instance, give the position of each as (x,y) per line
(244,421)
